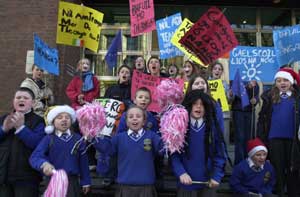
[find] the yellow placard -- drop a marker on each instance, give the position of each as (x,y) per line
(218,93)
(181,30)
(185,87)
(78,25)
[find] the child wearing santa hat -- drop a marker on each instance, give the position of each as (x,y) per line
(54,151)
(253,176)
(278,125)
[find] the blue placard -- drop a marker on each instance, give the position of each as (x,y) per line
(287,44)
(165,30)
(45,57)
(254,63)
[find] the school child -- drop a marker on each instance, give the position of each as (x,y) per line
(135,149)
(278,125)
(154,67)
(20,133)
(54,151)
(84,87)
(200,167)
(142,99)
(140,64)
(189,70)
(253,176)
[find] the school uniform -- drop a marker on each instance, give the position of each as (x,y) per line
(193,160)
(246,177)
(56,149)
(135,159)
(17,178)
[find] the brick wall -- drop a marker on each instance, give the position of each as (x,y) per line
(19,20)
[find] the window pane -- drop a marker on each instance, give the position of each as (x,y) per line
(267,39)
(275,18)
(243,18)
(246,39)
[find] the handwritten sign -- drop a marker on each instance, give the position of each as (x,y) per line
(141,17)
(140,79)
(254,63)
(78,26)
(210,37)
(45,57)
(181,30)
(217,91)
(165,30)
(113,111)
(287,44)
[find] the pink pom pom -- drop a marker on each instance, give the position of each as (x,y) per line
(174,124)
(91,118)
(58,185)
(169,92)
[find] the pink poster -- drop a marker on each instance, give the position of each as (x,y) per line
(141,17)
(140,79)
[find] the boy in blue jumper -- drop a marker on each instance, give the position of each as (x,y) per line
(253,176)
(200,167)
(135,150)
(54,151)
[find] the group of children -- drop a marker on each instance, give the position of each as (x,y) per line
(26,151)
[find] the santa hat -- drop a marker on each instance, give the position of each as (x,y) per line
(294,74)
(255,145)
(284,74)
(54,112)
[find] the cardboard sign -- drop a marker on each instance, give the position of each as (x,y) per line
(181,30)
(287,45)
(165,30)
(113,111)
(142,18)
(45,57)
(210,37)
(78,26)
(254,63)
(140,79)
(217,91)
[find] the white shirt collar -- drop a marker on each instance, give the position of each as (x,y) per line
(59,133)
(140,132)
(289,93)
(251,163)
(193,121)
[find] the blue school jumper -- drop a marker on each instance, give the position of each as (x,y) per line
(135,156)
(192,161)
(57,151)
(244,179)
(151,123)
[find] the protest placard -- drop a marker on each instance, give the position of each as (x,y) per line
(45,58)
(287,44)
(181,30)
(78,26)
(140,79)
(210,37)
(142,18)
(113,111)
(254,63)
(165,30)
(217,91)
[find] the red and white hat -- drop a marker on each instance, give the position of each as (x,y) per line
(254,146)
(285,75)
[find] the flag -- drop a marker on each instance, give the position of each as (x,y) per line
(111,57)
(239,90)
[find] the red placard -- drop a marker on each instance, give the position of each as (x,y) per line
(210,37)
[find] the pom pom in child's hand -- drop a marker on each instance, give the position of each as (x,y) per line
(91,118)
(174,124)
(58,185)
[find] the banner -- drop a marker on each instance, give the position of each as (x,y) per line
(113,111)
(287,45)
(45,58)
(210,37)
(78,26)
(217,91)
(140,79)
(165,30)
(142,18)
(254,63)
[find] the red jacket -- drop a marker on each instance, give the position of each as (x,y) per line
(74,89)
